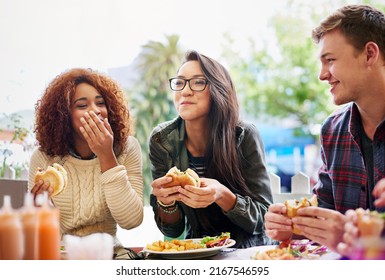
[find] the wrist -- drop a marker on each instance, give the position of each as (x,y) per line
(168,208)
(227,200)
(164,205)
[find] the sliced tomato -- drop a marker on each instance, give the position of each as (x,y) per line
(217,242)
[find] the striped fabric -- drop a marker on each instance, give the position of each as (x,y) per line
(197,164)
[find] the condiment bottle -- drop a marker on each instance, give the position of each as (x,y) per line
(29,222)
(48,232)
(11,232)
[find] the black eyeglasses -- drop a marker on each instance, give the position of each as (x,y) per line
(195,84)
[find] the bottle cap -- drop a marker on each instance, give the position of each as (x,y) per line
(7,206)
(28,200)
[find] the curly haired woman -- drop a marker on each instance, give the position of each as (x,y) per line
(83,123)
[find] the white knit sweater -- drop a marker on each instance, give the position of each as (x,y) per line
(94,201)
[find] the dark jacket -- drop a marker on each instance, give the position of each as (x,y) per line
(246,221)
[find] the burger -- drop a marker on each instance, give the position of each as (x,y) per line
(182,178)
(56,175)
(370,223)
(292,206)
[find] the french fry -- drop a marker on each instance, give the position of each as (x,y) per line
(174,245)
(153,247)
(274,254)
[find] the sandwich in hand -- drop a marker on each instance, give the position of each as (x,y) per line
(56,175)
(292,206)
(370,223)
(183,178)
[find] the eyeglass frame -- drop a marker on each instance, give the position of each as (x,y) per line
(185,83)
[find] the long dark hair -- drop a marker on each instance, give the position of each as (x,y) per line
(223,159)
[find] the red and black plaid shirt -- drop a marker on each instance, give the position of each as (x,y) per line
(342,183)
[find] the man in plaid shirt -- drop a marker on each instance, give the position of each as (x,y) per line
(352,55)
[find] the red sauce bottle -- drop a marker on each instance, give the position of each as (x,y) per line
(11,232)
(29,221)
(48,232)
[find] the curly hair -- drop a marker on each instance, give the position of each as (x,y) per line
(53,126)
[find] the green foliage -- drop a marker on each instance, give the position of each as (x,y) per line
(19,132)
(19,135)
(281,82)
(276,81)
(151,99)
(379,4)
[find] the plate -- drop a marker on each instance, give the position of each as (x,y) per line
(191,254)
(329,255)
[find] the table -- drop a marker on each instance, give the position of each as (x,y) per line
(246,254)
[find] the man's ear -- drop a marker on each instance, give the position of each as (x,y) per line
(372,52)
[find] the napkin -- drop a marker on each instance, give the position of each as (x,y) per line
(96,246)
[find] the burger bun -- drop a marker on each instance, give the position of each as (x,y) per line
(292,206)
(369,223)
(182,178)
(55,175)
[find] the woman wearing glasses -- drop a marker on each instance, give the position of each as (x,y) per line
(227,153)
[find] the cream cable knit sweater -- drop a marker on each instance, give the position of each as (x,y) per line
(95,202)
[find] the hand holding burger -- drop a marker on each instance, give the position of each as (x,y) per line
(182,178)
(179,178)
(292,206)
(56,175)
(370,223)
(363,233)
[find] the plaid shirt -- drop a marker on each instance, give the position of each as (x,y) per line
(342,183)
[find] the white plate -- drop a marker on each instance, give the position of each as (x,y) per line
(191,254)
(329,255)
